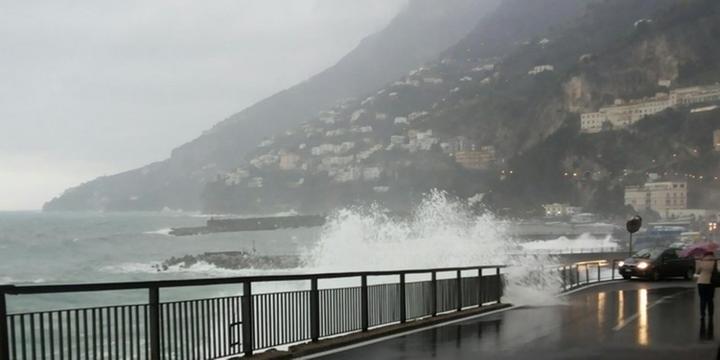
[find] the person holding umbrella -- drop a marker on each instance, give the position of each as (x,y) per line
(706,270)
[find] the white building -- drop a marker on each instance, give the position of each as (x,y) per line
(332,148)
(401,120)
(432,80)
(559,210)
(622,115)
(362,129)
(328,116)
(336,132)
(486,67)
(236,177)
(348,174)
(397,140)
(265,160)
(657,196)
(695,95)
(417,115)
(256,182)
(371,173)
(364,155)
(266,143)
(541,69)
(356,115)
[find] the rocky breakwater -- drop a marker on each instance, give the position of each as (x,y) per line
(233,260)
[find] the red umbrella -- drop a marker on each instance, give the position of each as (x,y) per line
(698,250)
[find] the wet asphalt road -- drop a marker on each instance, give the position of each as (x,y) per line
(629,320)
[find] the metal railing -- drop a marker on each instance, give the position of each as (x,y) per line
(571,251)
(226,326)
(585,273)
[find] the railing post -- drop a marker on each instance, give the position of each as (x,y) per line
(364,303)
(577,275)
(480,294)
(587,273)
(459,290)
(499,285)
(433,291)
(154,302)
(314,310)
(563,272)
(598,265)
(403,305)
(247,319)
(4,342)
(613,270)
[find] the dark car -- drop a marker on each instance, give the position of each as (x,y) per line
(657,263)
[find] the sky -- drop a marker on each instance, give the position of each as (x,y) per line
(91,88)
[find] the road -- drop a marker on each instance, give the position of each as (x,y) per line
(628,320)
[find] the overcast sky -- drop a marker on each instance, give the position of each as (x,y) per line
(90,88)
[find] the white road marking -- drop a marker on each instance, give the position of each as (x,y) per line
(633,317)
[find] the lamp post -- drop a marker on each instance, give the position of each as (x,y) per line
(632,226)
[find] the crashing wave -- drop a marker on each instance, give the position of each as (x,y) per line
(442,232)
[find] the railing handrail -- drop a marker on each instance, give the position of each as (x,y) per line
(576,268)
(136,285)
(487,288)
(569,251)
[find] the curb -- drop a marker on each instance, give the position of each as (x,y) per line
(311,350)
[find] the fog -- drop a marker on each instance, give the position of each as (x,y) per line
(91,88)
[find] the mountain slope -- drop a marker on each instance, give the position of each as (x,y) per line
(681,45)
(416,35)
(396,143)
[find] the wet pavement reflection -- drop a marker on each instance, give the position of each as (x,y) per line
(619,321)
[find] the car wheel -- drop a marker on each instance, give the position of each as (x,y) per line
(655,276)
(627,277)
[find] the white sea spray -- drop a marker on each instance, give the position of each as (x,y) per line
(442,232)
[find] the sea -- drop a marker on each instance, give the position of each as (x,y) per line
(89,247)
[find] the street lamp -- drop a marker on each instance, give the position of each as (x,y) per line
(632,226)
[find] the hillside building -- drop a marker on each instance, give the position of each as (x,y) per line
(660,197)
(695,95)
(621,114)
(476,159)
(541,69)
(456,144)
(560,210)
(289,161)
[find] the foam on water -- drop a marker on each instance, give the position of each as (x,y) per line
(164,231)
(441,233)
(583,242)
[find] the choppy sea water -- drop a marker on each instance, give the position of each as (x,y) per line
(98,247)
(38,247)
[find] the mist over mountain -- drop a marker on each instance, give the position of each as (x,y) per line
(494,113)
(418,34)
